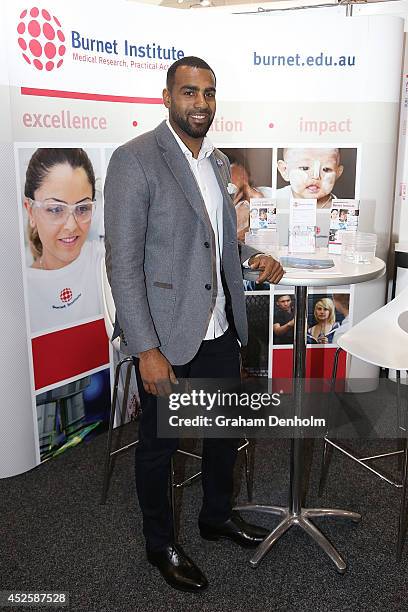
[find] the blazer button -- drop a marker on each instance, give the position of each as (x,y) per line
(207,245)
(207,286)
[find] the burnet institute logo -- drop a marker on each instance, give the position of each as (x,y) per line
(66,295)
(41,39)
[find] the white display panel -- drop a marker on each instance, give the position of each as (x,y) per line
(326,83)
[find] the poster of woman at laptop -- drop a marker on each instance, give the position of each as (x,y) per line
(323,173)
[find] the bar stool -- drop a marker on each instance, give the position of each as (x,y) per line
(382,340)
(128,363)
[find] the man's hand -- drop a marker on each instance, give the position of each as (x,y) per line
(156,372)
(270,270)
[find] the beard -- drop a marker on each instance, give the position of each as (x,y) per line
(194,131)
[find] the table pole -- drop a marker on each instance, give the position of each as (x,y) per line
(299,373)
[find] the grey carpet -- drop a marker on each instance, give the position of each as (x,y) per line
(55,535)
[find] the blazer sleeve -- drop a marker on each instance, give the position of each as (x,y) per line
(246,251)
(126,210)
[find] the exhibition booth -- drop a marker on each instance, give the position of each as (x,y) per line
(79,79)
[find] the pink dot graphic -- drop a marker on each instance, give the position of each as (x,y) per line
(50,50)
(34,28)
(49,31)
(66,294)
(35,48)
(41,38)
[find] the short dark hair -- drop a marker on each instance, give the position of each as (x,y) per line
(190,60)
(342,298)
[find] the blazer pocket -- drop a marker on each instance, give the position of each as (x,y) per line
(163,285)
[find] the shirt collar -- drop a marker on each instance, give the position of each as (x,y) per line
(206,147)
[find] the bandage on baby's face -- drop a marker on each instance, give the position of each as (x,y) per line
(312,173)
(316,169)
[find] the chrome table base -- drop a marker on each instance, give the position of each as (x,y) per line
(290,519)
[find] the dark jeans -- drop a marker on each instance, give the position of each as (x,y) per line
(217,358)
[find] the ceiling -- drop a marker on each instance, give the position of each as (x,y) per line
(255,5)
(187,4)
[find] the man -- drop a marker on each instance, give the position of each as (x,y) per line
(283,320)
(342,305)
(175,270)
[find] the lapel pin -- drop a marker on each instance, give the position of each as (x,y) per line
(219,162)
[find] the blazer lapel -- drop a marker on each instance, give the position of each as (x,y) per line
(181,170)
(228,206)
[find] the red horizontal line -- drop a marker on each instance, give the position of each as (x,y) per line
(78,95)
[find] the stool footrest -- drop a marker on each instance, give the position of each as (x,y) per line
(363,462)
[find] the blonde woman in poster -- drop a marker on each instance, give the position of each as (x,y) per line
(63,280)
(325,316)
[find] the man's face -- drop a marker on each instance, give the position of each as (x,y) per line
(311,173)
(284,302)
(191,101)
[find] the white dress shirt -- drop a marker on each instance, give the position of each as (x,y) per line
(211,193)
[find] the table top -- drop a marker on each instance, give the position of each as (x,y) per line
(343,273)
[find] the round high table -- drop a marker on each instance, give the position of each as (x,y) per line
(341,273)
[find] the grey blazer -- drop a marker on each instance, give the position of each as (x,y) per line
(160,248)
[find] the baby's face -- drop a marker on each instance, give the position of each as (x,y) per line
(311,173)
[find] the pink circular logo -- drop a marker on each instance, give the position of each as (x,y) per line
(66,295)
(41,39)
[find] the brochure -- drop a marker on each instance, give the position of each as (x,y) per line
(344,215)
(306,264)
(262,214)
(302,225)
